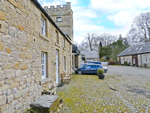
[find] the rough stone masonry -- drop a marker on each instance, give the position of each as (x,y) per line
(21,45)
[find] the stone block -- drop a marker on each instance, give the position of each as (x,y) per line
(9,73)
(18,73)
(16,65)
(22,55)
(18,106)
(20,27)
(13,2)
(2,100)
(8,50)
(17,79)
(24,66)
(2,76)
(22,8)
(1,46)
(24,92)
(10,98)
(2,16)
(17,95)
(29,38)
(29,56)
(28,79)
(1,83)
(3,108)
(4,87)
(14,85)
(7,66)
(8,92)
(24,49)
(9,81)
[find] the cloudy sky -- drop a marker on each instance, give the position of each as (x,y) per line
(102,16)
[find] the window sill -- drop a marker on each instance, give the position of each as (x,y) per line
(57,45)
(43,37)
(45,80)
(64,49)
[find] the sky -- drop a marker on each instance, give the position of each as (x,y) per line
(102,16)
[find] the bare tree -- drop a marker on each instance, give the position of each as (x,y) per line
(106,39)
(140,29)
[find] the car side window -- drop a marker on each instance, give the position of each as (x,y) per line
(88,67)
(93,66)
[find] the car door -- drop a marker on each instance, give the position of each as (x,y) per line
(87,69)
(94,69)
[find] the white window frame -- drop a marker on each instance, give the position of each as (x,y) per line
(64,63)
(44,64)
(64,45)
(43,26)
(59,19)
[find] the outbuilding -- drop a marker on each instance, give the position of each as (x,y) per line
(138,55)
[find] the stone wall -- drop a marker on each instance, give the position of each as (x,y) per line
(141,59)
(21,44)
(126,58)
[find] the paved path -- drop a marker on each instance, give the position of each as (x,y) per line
(124,89)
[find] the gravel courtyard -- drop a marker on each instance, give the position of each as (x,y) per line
(124,89)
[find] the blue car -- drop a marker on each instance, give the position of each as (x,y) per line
(89,69)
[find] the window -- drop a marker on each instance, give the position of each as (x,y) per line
(94,66)
(43,26)
(59,19)
(145,58)
(141,48)
(44,64)
(64,45)
(64,63)
(57,36)
(133,60)
(136,48)
(88,67)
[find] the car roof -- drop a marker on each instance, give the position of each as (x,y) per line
(94,61)
(94,64)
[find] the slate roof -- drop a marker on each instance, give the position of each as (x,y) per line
(138,49)
(89,54)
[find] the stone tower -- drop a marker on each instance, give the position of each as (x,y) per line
(63,17)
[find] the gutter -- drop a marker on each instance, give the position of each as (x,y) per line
(49,18)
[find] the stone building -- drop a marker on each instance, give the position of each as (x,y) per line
(63,17)
(89,56)
(138,55)
(34,51)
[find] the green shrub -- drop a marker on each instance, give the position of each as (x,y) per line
(103,60)
(126,63)
(100,71)
(114,63)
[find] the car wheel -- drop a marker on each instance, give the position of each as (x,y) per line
(80,72)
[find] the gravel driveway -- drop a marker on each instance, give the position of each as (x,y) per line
(124,89)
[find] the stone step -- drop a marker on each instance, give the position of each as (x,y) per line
(47,104)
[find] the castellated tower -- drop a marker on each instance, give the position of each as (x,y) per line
(63,17)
